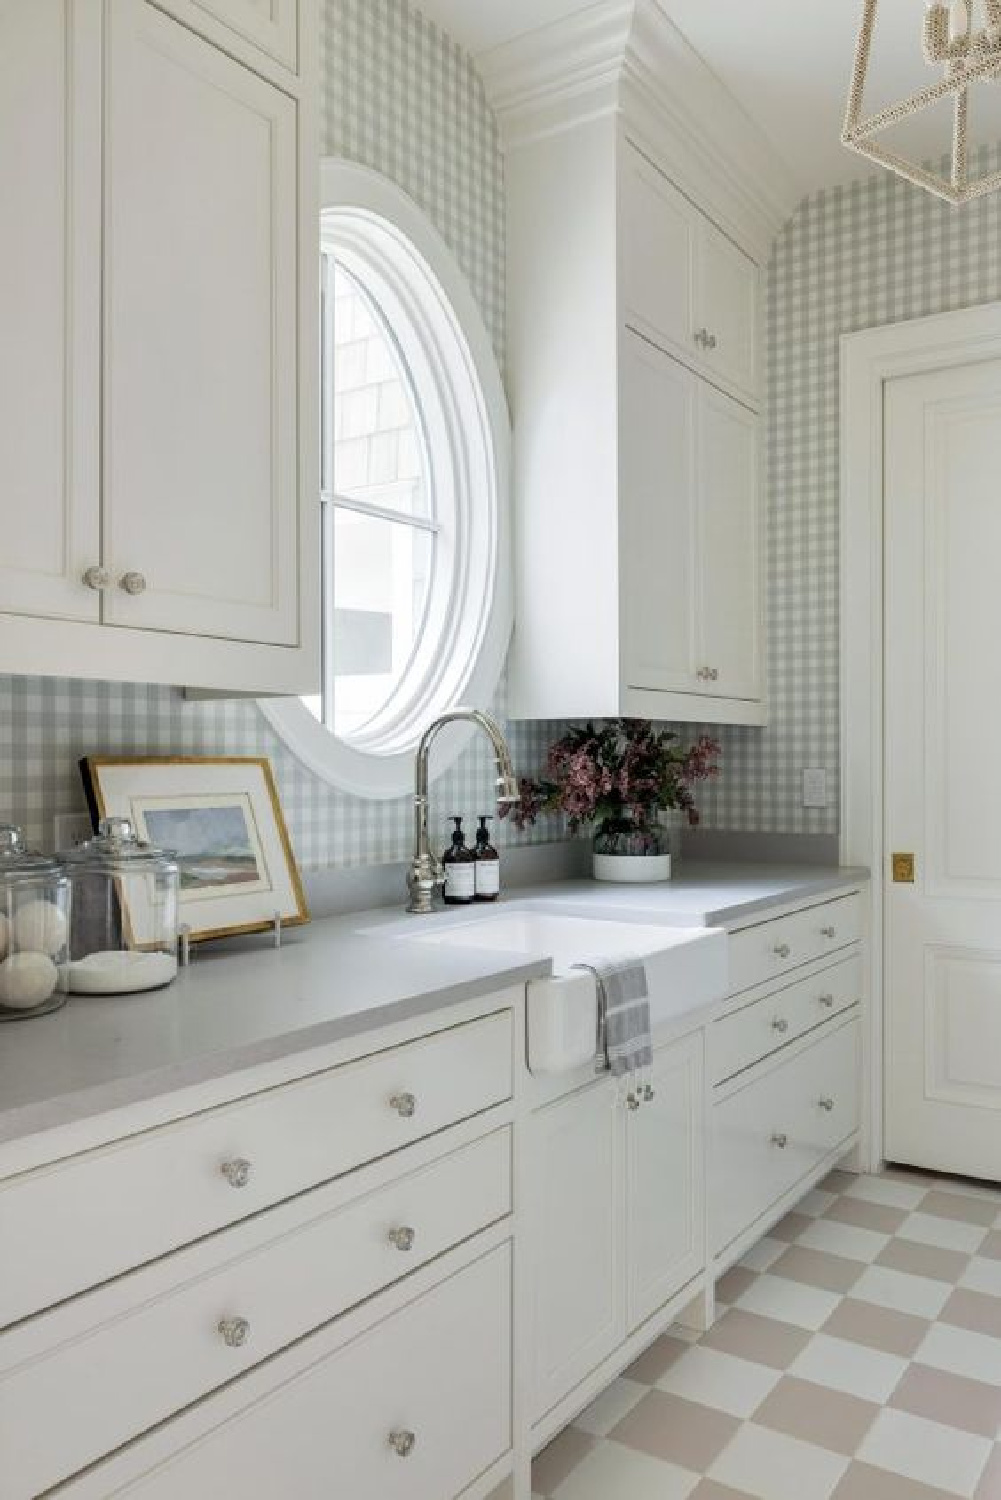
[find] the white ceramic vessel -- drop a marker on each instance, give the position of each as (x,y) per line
(632,869)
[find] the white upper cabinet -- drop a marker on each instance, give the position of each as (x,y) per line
(248,28)
(634,378)
(50,187)
(728,571)
(685,285)
(159,366)
(201,463)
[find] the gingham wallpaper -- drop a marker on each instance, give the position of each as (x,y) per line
(405,100)
(853,257)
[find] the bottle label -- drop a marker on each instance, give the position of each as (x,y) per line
(488,877)
(460,881)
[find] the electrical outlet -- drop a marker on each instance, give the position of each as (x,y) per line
(71,829)
(815,788)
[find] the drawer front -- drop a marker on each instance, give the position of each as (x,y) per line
(132,1201)
(773,1132)
(746,1036)
(438,1371)
(758,954)
(270,1296)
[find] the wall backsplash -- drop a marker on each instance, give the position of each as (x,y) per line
(853,257)
(404,99)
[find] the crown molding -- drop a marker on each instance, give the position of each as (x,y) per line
(626,58)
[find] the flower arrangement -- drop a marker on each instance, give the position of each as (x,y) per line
(619,776)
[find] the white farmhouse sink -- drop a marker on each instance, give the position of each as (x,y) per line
(686,968)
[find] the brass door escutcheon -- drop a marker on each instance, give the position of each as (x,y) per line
(903,869)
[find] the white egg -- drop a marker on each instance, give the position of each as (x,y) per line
(4,935)
(39,927)
(27,980)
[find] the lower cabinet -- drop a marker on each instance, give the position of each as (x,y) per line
(617,1215)
(772,1131)
(416,1408)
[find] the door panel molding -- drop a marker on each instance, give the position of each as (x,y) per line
(950,1076)
(868,360)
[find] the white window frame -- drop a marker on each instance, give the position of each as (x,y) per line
(385,239)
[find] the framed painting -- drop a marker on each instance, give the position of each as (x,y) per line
(221,818)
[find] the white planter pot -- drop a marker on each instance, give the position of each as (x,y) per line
(632,869)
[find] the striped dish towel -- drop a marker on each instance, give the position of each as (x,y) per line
(625,1041)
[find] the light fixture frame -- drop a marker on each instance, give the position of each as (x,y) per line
(860,129)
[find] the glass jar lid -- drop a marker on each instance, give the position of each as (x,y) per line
(117,849)
(17,861)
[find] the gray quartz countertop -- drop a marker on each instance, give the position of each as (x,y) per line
(238,1005)
(243,1003)
(703,894)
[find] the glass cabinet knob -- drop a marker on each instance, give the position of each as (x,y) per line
(402,1442)
(782,950)
(405,1105)
(237,1172)
(780,1139)
(98,579)
(403,1238)
(234,1332)
(827,1105)
(781,1025)
(133,583)
(827,1001)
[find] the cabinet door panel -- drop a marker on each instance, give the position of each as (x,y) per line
(201,469)
(576,1216)
(659,230)
(50,279)
(657,494)
(270,25)
(727,296)
(729,547)
(665,1172)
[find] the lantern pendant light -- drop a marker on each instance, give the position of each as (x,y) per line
(966,53)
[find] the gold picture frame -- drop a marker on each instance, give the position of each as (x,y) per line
(222,817)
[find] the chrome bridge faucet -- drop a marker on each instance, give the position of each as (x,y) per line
(426,874)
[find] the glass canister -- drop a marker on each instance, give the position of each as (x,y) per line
(34,929)
(123,936)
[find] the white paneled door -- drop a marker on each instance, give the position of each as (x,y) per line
(942,784)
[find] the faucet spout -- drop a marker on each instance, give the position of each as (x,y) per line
(426,874)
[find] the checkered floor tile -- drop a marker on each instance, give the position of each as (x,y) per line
(856,1356)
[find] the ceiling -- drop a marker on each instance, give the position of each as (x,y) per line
(787,62)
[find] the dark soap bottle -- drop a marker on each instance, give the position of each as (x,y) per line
(487,865)
(460,870)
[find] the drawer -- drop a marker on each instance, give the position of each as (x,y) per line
(774,1131)
(295,1279)
(127,1203)
(438,1371)
(769,950)
(748,1035)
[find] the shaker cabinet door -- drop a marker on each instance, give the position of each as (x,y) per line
(657,518)
(729,547)
(247,26)
(201,424)
(50,284)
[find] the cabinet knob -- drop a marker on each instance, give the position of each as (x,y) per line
(237,1172)
(829,932)
(132,583)
(403,1443)
(403,1238)
(649,1094)
(827,1001)
(827,1105)
(405,1105)
(234,1332)
(97,579)
(633,1102)
(781,1025)
(780,1139)
(713,341)
(782,950)
(708,674)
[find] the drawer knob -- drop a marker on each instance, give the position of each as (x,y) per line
(403,1238)
(405,1105)
(827,1104)
(781,1025)
(234,1332)
(633,1102)
(403,1443)
(829,932)
(827,1001)
(97,579)
(780,1139)
(782,950)
(237,1172)
(132,583)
